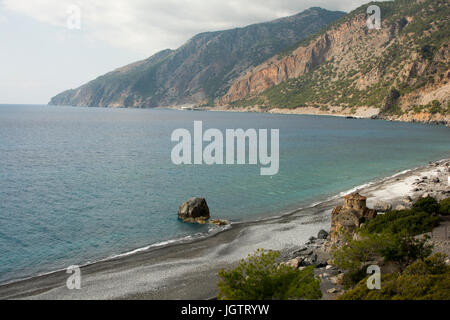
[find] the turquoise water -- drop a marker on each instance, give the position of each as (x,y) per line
(82,184)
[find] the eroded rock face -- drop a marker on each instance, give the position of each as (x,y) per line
(194,210)
(348,218)
(301,61)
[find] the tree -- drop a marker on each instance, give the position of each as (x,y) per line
(428,204)
(403,249)
(444,207)
(259,277)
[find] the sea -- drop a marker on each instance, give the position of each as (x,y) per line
(79,185)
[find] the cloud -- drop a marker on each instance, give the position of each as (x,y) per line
(147,26)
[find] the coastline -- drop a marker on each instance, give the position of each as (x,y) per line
(189,270)
(358,113)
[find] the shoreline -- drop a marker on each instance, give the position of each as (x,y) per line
(188,270)
(360,113)
(364,113)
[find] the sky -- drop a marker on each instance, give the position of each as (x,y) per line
(48,46)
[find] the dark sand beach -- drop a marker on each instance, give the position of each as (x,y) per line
(189,270)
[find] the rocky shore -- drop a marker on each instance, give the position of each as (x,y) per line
(316,251)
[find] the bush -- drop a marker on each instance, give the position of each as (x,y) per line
(354,253)
(424,279)
(401,249)
(405,249)
(444,207)
(428,204)
(413,221)
(259,277)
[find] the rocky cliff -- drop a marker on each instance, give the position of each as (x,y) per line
(402,69)
(199,71)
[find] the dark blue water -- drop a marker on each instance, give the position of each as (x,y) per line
(82,184)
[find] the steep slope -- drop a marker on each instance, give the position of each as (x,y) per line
(403,69)
(199,71)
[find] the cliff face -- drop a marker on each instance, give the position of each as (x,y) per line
(302,60)
(402,69)
(199,71)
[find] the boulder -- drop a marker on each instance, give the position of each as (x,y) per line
(300,251)
(333,290)
(322,234)
(407,199)
(383,207)
(293,263)
(219,222)
(194,210)
(337,280)
(400,207)
(309,260)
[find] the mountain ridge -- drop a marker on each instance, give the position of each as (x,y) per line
(403,70)
(200,70)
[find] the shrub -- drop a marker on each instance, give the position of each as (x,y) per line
(428,204)
(410,221)
(354,255)
(444,207)
(401,249)
(259,277)
(424,279)
(405,249)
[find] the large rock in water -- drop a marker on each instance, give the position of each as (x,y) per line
(194,210)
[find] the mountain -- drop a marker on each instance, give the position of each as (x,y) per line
(199,71)
(400,72)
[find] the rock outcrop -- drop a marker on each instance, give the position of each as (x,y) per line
(348,218)
(194,210)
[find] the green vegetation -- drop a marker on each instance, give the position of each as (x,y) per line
(390,238)
(257,101)
(414,221)
(259,277)
(444,207)
(428,205)
(399,249)
(427,279)
(403,249)
(434,107)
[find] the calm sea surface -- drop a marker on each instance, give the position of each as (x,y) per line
(82,184)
